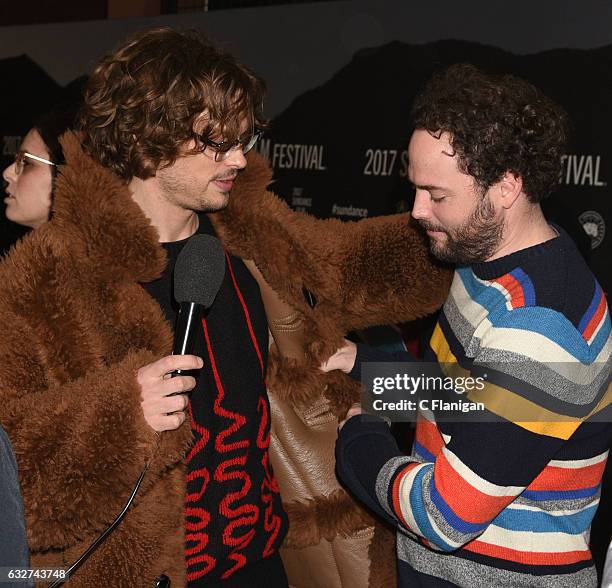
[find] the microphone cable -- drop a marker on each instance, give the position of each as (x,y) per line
(77,564)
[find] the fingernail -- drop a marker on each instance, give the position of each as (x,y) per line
(200,362)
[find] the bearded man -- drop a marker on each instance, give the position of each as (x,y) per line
(507,498)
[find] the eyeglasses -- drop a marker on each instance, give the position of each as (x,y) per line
(223,149)
(20,158)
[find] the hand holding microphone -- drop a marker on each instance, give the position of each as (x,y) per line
(162,396)
(198,275)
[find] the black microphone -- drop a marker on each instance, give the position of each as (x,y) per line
(198,274)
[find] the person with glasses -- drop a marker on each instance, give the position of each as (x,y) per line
(162,136)
(29,179)
(29,187)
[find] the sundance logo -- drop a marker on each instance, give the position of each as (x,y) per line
(594,226)
(349,211)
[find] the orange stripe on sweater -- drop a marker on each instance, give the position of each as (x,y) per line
(395,493)
(514,289)
(466,501)
(556,478)
(596,319)
(528,557)
(428,435)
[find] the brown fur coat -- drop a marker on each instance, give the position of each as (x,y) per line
(77,325)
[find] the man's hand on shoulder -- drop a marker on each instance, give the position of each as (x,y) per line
(343,359)
(163,403)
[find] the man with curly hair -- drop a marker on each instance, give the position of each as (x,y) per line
(507,498)
(167,120)
(174,116)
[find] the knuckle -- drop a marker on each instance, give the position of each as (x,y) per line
(182,401)
(179,384)
(167,363)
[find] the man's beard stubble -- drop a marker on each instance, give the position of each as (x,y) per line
(473,242)
(175,188)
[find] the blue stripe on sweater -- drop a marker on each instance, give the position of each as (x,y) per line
(544,321)
(528,289)
(543,522)
(451,518)
(423,453)
(588,315)
(419,512)
(560,494)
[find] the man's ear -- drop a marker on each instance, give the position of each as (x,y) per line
(505,192)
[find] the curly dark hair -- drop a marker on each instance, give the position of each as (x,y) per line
(145,101)
(497,123)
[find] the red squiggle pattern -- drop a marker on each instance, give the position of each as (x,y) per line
(238,419)
(246,514)
(197,537)
(242,509)
(272,522)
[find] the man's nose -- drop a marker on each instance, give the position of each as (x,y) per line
(236,158)
(421,209)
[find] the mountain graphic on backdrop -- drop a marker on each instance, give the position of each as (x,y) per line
(340,149)
(32,92)
(366,105)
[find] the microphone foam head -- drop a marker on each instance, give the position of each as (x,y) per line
(199,270)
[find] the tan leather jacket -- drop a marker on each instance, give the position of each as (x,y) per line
(320,279)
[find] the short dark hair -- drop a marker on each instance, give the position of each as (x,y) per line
(52,125)
(143,100)
(497,123)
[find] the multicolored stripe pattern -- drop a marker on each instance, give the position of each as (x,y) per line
(511,499)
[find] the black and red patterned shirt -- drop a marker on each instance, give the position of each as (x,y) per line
(233,512)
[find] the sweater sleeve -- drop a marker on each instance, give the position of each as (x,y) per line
(366,353)
(358,438)
(81,446)
(454,486)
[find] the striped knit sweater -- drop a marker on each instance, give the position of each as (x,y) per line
(508,500)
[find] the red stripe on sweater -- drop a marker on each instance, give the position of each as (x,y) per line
(429,436)
(200,540)
(206,559)
(514,289)
(596,319)
(204,475)
(202,516)
(534,558)
(469,503)
(240,563)
(558,478)
(204,436)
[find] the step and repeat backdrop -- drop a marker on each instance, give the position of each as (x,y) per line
(341,79)
(341,149)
